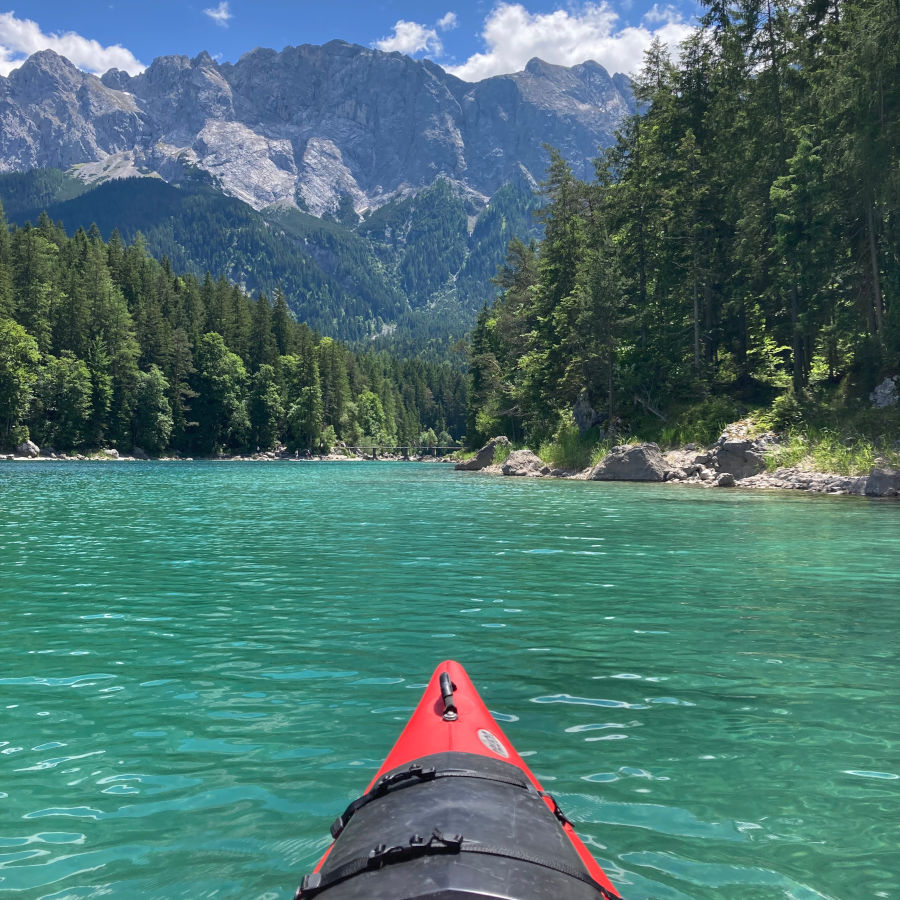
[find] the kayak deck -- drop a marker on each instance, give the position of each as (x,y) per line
(454,812)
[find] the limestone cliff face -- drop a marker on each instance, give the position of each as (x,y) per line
(308,125)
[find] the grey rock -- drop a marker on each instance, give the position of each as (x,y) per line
(524,463)
(584,415)
(883,481)
(726,479)
(314,122)
(139,453)
(484,457)
(631,462)
(887,393)
(739,457)
(29,449)
(109,453)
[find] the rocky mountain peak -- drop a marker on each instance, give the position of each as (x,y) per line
(45,73)
(537,66)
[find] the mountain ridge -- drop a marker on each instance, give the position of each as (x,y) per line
(309,126)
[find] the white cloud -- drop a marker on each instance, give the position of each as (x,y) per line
(411,38)
(19,38)
(661,15)
(512,36)
(220,14)
(447,22)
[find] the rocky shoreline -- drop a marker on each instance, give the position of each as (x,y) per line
(735,460)
(30,452)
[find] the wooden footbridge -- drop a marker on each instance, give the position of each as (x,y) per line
(405,452)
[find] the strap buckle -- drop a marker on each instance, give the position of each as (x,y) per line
(438,841)
(376,856)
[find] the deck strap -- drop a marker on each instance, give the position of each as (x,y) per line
(437,844)
(417,774)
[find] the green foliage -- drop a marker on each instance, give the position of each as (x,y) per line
(19,359)
(219,383)
(152,424)
(63,407)
(830,450)
(696,423)
(264,408)
(824,430)
(501,454)
(370,418)
(570,448)
(786,412)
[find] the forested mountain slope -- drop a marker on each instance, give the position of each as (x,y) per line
(413,272)
(101,345)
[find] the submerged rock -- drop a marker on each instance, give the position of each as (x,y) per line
(631,462)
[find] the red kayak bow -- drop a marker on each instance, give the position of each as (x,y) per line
(454,813)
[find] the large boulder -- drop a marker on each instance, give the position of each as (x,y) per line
(29,449)
(524,462)
(631,462)
(740,457)
(883,481)
(485,456)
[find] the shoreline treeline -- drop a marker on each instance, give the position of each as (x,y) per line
(741,239)
(101,345)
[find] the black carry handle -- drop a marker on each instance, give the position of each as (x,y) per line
(447,689)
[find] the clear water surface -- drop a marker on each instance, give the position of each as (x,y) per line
(201,663)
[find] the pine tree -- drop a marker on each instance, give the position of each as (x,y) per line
(7,308)
(264,408)
(19,360)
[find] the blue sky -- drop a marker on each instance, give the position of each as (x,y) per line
(471,38)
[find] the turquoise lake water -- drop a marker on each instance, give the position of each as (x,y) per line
(203,662)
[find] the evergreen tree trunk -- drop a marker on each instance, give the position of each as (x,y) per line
(876,280)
